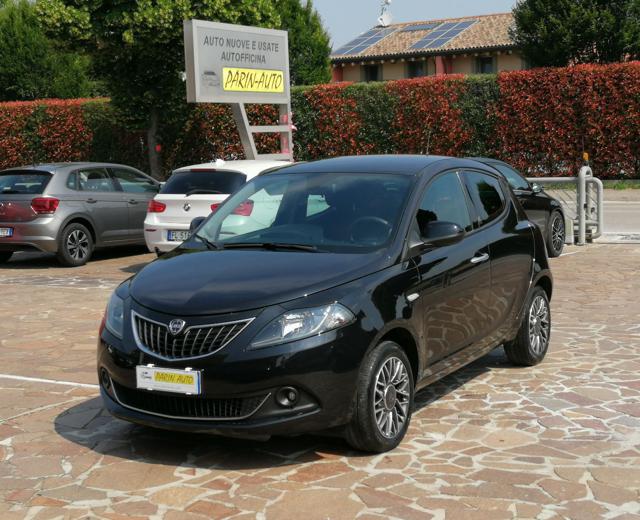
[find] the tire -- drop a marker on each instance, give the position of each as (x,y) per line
(532,342)
(5,256)
(75,246)
(385,364)
(556,234)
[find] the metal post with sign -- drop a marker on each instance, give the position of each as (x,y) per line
(240,65)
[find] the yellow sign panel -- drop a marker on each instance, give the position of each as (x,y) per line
(252,80)
(177,379)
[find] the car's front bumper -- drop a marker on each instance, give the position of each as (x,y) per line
(323,370)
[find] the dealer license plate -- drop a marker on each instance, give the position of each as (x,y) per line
(6,232)
(177,236)
(168,380)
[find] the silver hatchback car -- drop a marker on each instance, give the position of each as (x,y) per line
(71,208)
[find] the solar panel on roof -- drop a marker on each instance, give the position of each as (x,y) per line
(442,35)
(364,41)
(421,27)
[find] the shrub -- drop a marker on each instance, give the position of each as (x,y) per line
(541,121)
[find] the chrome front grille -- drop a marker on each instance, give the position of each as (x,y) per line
(193,342)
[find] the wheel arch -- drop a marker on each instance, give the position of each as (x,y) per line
(81,219)
(547,285)
(404,338)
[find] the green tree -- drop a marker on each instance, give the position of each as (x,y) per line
(562,32)
(309,46)
(137,47)
(31,66)
(632,30)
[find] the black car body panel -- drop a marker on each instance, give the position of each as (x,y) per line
(445,305)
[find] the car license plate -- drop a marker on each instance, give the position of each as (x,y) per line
(178,236)
(168,380)
(6,232)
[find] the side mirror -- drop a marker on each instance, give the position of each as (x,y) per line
(195,224)
(536,188)
(441,233)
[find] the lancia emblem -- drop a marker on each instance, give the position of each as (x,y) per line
(187,206)
(176,326)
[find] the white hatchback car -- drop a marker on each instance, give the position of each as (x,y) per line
(196,191)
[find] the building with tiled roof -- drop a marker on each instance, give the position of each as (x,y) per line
(469,45)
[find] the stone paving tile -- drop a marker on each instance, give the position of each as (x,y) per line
(561,440)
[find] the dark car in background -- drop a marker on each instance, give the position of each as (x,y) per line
(540,207)
(376,277)
(71,208)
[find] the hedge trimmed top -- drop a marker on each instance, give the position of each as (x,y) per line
(540,121)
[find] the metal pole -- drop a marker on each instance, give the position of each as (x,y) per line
(582,213)
(246,137)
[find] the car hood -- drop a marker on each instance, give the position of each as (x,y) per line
(192,283)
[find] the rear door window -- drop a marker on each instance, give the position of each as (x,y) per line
(91,180)
(204,182)
(486,194)
(18,182)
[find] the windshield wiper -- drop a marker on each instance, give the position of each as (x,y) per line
(271,245)
(201,191)
(210,245)
(10,192)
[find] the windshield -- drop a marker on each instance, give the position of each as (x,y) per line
(23,182)
(208,181)
(330,212)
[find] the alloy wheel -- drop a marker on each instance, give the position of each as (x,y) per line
(391,397)
(557,233)
(539,325)
(78,244)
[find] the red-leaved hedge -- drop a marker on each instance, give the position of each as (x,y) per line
(539,120)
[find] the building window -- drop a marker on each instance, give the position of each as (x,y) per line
(486,65)
(372,72)
(416,69)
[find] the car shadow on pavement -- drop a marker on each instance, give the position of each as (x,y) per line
(90,425)
(37,260)
(134,268)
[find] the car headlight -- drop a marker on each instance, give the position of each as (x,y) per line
(303,323)
(114,318)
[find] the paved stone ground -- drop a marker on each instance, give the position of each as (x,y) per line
(561,440)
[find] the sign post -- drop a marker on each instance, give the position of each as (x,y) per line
(238,65)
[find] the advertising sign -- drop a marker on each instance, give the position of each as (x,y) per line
(235,64)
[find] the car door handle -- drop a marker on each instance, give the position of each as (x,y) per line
(133,201)
(480,258)
(91,201)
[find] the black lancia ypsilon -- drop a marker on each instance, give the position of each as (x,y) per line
(353,283)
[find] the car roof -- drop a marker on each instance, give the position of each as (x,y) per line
(250,168)
(489,161)
(402,164)
(53,167)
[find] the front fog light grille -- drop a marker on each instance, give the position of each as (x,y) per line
(188,407)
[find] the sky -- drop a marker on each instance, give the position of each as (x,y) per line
(345,19)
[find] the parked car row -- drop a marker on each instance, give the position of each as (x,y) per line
(71,209)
